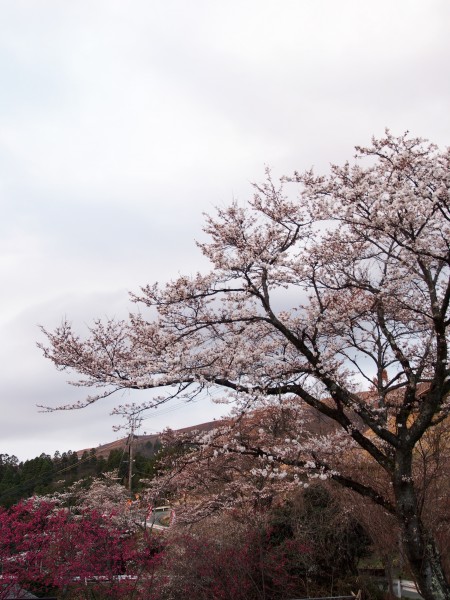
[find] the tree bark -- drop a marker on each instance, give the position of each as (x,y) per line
(418,544)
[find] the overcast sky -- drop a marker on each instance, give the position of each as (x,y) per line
(121,122)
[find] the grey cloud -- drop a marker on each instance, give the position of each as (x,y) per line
(119,126)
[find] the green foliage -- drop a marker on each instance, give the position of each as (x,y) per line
(44,475)
(307,546)
(334,542)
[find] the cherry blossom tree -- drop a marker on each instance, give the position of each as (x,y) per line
(310,301)
(104,495)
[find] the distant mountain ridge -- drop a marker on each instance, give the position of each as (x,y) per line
(144,443)
(148,444)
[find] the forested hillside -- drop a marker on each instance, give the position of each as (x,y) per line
(46,474)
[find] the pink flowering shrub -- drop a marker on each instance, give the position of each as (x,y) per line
(47,548)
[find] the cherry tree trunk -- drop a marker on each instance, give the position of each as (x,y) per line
(419,546)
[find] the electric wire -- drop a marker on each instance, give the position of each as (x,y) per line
(37,479)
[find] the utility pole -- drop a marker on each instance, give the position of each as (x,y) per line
(130,453)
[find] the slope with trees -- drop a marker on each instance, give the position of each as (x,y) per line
(44,474)
(309,301)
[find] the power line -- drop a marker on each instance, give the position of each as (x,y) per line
(35,480)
